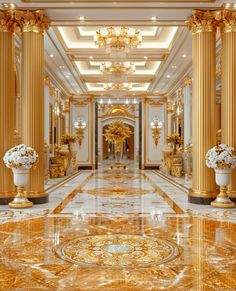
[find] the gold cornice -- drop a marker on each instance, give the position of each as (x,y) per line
(203,21)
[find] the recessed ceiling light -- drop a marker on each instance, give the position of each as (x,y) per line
(67,76)
(91,57)
(82,18)
(51,56)
(61,67)
(184,55)
(168,76)
(154,18)
(145,57)
(173,67)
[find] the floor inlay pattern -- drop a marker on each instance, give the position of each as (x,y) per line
(117,190)
(119,251)
(119,178)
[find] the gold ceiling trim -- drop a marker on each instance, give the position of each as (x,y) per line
(119,110)
(117,8)
(155,103)
(119,1)
(63,59)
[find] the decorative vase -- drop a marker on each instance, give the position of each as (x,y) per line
(21,177)
(223,177)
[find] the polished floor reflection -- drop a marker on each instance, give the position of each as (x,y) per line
(110,230)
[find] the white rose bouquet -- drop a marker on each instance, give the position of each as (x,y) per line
(221,157)
(20,156)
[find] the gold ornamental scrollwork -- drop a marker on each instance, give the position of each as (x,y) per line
(34,21)
(203,21)
(228,21)
(187,81)
(27,21)
(7,21)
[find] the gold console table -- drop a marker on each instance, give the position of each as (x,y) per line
(174,164)
(118,165)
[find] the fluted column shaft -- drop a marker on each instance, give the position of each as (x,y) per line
(33,95)
(7,101)
(204,83)
(228,101)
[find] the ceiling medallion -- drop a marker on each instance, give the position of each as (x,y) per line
(117,68)
(117,86)
(117,38)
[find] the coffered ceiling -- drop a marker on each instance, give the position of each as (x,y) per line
(161,61)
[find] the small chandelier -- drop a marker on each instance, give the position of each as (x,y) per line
(118,86)
(156,127)
(117,38)
(80,126)
(117,68)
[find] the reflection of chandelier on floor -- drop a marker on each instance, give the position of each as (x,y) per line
(118,39)
(118,86)
(117,68)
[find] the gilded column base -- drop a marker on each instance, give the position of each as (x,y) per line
(40,197)
(232,195)
(6,197)
(203,197)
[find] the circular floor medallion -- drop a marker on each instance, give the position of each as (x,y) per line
(119,251)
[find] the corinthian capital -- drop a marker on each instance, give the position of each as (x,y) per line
(7,21)
(202,21)
(228,21)
(32,20)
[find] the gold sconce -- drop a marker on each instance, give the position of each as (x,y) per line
(80,126)
(156,127)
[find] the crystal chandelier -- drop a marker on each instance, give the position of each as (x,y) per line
(117,68)
(117,38)
(118,86)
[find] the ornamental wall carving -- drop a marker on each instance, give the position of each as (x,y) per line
(10,20)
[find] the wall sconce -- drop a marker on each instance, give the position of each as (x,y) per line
(80,126)
(156,127)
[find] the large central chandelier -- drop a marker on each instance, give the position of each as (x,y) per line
(117,68)
(117,38)
(117,86)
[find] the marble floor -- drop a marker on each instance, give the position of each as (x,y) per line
(117,230)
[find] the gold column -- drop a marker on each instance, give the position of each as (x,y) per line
(7,100)
(33,25)
(203,29)
(228,101)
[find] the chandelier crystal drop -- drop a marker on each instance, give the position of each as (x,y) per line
(117,38)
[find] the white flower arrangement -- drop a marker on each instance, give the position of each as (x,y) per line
(221,157)
(20,156)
